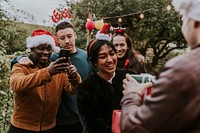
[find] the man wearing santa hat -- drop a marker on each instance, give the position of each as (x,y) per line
(67,116)
(37,88)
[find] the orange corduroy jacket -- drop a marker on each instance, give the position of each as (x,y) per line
(37,96)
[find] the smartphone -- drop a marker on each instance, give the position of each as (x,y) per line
(64,53)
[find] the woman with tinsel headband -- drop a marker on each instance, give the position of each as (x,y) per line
(174,104)
(101,92)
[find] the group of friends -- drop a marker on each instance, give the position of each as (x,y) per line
(79,96)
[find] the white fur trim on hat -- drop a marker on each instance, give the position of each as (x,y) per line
(34,41)
(102,36)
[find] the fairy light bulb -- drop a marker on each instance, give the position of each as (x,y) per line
(169,7)
(120,20)
(88,19)
(141,15)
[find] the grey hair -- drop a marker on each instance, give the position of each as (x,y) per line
(189,8)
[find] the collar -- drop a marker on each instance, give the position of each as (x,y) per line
(198,45)
(110,80)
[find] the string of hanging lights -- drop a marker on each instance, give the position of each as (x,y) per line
(95,22)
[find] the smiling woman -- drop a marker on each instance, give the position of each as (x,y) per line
(101,92)
(127,56)
(103,56)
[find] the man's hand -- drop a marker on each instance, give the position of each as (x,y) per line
(57,67)
(131,85)
(25,61)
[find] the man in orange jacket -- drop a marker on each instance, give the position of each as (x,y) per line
(37,88)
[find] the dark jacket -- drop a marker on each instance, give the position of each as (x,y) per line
(96,99)
(174,106)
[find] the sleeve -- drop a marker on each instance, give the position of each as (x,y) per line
(166,111)
(91,119)
(15,60)
(20,81)
(71,84)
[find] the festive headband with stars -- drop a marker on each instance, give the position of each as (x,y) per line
(120,28)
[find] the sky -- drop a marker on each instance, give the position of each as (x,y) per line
(32,11)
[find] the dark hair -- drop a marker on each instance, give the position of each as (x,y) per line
(132,54)
(94,47)
(64,25)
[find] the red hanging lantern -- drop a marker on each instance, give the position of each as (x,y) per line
(90,25)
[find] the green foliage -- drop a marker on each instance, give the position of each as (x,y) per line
(6,101)
(6,94)
(6,97)
(158,29)
(4,74)
(11,38)
(14,40)
(10,41)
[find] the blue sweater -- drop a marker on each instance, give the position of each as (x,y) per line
(68,112)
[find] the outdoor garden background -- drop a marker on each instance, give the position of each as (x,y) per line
(154,26)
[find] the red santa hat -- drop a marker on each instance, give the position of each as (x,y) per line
(40,36)
(105,32)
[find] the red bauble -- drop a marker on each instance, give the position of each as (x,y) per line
(90,25)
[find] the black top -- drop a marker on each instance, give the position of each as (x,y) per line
(96,99)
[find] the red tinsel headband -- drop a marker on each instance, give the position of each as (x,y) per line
(91,45)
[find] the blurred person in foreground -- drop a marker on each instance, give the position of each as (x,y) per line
(174,104)
(37,88)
